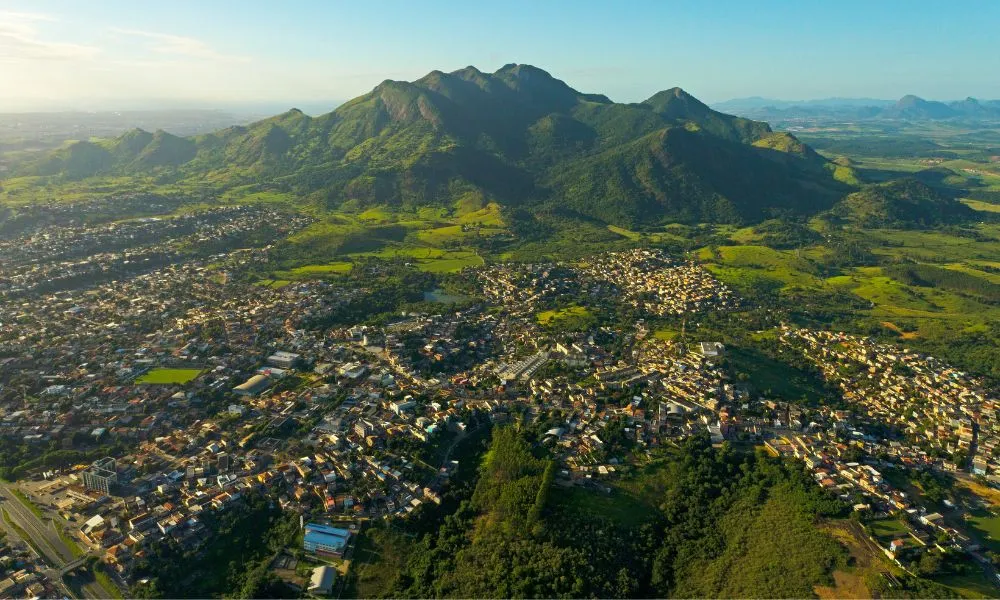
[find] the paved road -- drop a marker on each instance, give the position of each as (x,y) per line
(46,537)
(42,533)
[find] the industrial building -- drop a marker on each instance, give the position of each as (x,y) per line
(321,582)
(283,360)
(253,386)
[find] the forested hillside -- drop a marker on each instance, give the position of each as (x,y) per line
(519,137)
(905,203)
(700,522)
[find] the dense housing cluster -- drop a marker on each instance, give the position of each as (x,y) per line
(159,400)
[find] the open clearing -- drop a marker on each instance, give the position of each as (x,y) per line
(169,376)
(571,317)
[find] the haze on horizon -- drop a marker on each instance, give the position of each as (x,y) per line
(114,54)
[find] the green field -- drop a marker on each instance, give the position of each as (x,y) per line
(571,317)
(312,271)
(666,333)
(969,585)
(169,376)
(273,283)
(987,525)
(887,530)
(431,260)
(981,206)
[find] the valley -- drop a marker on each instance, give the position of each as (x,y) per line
(490,336)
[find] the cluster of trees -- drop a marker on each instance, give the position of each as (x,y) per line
(903,203)
(726,523)
(18,458)
(949,279)
(233,562)
(386,288)
(783,234)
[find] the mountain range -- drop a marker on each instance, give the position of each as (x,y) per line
(518,137)
(908,108)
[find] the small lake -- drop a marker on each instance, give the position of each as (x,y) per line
(439,295)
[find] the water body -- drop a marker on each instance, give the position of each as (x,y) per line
(439,295)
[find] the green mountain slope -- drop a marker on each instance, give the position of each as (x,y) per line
(517,136)
(904,203)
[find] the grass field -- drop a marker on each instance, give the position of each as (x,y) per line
(969,585)
(651,237)
(866,564)
(987,525)
(273,283)
(666,333)
(28,503)
(920,311)
(648,484)
(981,206)
(887,530)
(571,317)
(169,376)
(312,271)
(431,260)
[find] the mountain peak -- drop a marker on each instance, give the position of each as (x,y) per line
(910,106)
(675,103)
(524,71)
(911,101)
(518,136)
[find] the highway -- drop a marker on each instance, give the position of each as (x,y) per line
(45,536)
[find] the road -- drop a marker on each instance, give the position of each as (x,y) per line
(42,533)
(45,536)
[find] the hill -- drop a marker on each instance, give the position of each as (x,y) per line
(905,203)
(699,523)
(518,137)
(912,107)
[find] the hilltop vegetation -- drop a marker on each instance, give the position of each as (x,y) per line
(518,137)
(904,203)
(701,522)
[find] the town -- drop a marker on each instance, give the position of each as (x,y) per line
(134,409)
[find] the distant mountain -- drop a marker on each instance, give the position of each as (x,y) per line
(518,136)
(912,107)
(909,108)
(737,105)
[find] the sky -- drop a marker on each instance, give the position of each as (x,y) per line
(314,54)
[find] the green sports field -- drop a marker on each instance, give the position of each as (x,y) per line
(169,376)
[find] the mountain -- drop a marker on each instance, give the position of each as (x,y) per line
(904,203)
(914,108)
(909,108)
(739,105)
(518,136)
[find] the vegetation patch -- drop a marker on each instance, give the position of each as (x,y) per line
(162,376)
(380,556)
(575,318)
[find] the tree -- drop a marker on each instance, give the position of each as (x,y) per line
(930,563)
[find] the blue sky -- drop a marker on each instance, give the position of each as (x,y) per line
(313,53)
